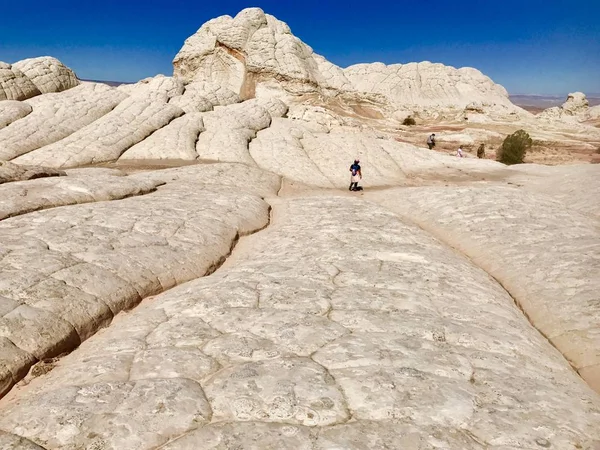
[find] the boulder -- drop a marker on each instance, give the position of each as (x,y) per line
(47,74)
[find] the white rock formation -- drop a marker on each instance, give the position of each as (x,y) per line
(407,346)
(229,130)
(30,77)
(47,74)
(200,97)
(14,85)
(445,307)
(10,172)
(107,138)
(255,54)
(11,110)
(158,88)
(27,196)
(63,286)
(56,116)
(175,141)
(542,269)
(575,108)
(594,112)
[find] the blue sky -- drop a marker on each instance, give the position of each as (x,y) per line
(529,46)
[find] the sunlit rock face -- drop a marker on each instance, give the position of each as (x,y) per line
(183,266)
(35,76)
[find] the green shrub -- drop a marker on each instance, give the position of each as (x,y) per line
(409,121)
(514,148)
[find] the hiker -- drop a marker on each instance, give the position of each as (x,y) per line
(459,152)
(356,176)
(431,141)
(481,151)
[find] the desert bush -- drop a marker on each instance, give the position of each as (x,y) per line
(409,121)
(514,148)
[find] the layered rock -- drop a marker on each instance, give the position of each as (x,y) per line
(65,272)
(10,172)
(34,76)
(47,74)
(254,54)
(175,141)
(394,349)
(56,116)
(542,252)
(107,138)
(11,110)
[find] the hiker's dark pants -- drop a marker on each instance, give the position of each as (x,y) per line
(353,185)
(431,146)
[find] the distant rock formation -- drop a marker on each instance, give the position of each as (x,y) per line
(34,76)
(575,108)
(256,55)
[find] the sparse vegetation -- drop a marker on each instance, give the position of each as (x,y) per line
(409,121)
(514,148)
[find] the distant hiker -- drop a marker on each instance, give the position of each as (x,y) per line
(431,141)
(355,176)
(459,152)
(481,151)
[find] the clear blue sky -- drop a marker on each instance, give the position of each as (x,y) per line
(529,46)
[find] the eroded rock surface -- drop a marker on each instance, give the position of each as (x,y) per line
(107,138)
(14,172)
(360,332)
(56,116)
(27,196)
(34,76)
(11,110)
(67,271)
(543,252)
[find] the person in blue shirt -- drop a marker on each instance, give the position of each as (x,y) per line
(356,176)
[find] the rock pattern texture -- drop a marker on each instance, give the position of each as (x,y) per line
(211,283)
(31,77)
(59,286)
(11,110)
(56,116)
(47,74)
(254,54)
(13,172)
(23,197)
(543,253)
(107,138)
(352,339)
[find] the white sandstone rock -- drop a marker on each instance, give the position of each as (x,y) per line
(11,110)
(107,138)
(14,85)
(56,116)
(64,285)
(229,129)
(433,353)
(576,103)
(10,172)
(27,196)
(177,140)
(158,88)
(542,252)
(47,74)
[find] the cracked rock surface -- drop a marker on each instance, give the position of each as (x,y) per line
(65,272)
(328,329)
(56,116)
(543,252)
(107,138)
